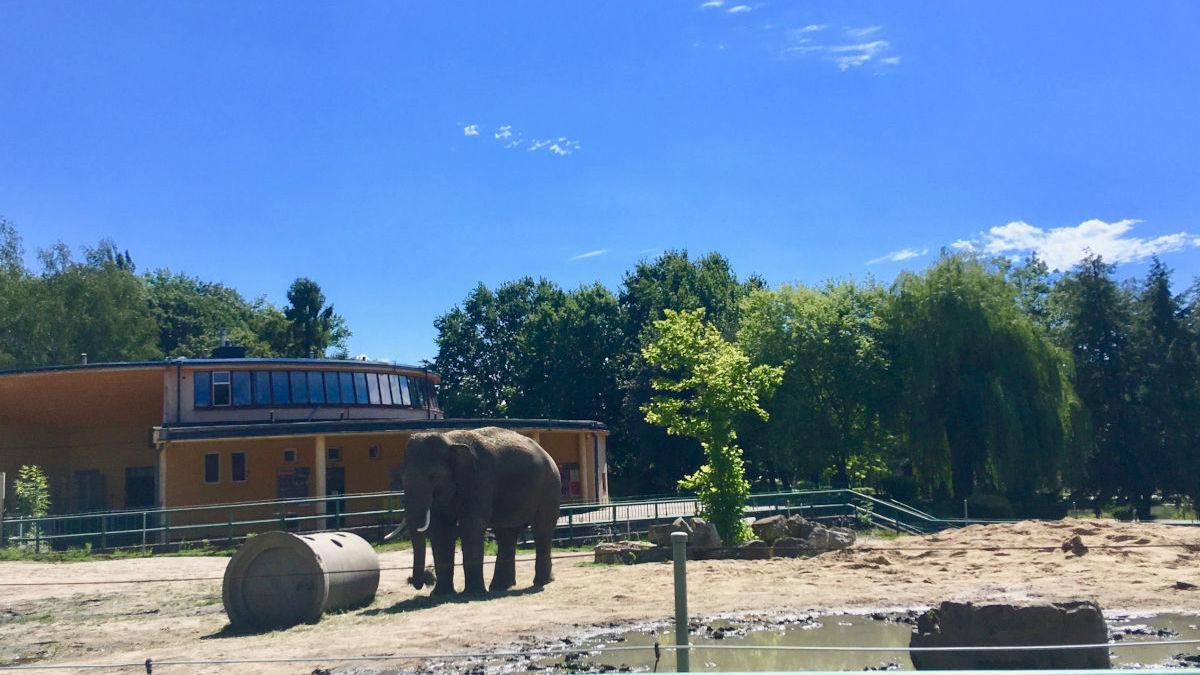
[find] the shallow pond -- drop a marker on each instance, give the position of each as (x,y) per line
(839,630)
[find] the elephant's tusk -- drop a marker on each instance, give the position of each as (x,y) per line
(428,515)
(389,536)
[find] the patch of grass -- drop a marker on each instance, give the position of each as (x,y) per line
(86,554)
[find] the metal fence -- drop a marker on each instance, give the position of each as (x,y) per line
(578,521)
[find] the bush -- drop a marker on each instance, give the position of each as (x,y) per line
(989,506)
(1042,507)
(1123,512)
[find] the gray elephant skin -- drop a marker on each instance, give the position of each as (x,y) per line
(460,483)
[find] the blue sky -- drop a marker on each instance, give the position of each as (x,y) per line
(401,152)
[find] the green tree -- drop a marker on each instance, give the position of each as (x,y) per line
(828,413)
(31,491)
(1095,317)
(985,397)
(645,459)
(704,381)
(315,327)
(193,314)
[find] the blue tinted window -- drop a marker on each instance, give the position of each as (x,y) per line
(241,387)
(347,382)
(406,397)
(316,387)
(373,388)
(416,387)
(299,387)
(202,393)
(385,389)
(360,389)
(333,393)
(262,387)
(394,385)
(280,394)
(220,388)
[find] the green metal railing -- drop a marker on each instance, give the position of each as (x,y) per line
(577,520)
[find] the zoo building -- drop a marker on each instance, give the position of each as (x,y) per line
(229,429)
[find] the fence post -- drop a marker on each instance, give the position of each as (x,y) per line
(231,525)
(679,552)
(571,526)
(103,532)
(143,529)
(656,512)
(282,522)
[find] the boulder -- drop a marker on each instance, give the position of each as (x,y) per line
(791,547)
(629,553)
(755,549)
(829,538)
(660,534)
(957,624)
(770,528)
(704,536)
(798,527)
(1074,546)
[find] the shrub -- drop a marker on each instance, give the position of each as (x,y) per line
(989,506)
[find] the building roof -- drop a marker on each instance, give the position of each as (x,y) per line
(207,363)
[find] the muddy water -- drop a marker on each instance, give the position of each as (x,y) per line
(841,630)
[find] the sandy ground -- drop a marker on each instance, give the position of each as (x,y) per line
(1151,567)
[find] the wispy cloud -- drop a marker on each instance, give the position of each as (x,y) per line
(1062,247)
(738,9)
(859,33)
(510,138)
(589,254)
(850,50)
(712,4)
(897,256)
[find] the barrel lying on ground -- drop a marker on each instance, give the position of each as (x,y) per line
(277,579)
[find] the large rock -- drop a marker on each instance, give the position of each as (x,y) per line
(798,527)
(957,624)
(660,534)
(791,547)
(704,535)
(755,549)
(770,528)
(629,553)
(829,538)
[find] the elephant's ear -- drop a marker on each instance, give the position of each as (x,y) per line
(465,463)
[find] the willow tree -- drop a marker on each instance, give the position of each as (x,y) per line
(986,400)
(704,382)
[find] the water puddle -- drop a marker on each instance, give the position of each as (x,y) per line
(832,630)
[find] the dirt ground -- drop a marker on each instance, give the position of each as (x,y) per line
(1129,566)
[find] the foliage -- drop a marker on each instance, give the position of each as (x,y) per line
(828,413)
(315,328)
(193,314)
(985,396)
(31,491)
(706,381)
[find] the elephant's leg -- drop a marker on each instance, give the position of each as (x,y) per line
(505,575)
(472,544)
(442,543)
(543,538)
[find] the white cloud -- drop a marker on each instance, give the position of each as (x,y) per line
(471,130)
(510,138)
(712,4)
(589,254)
(504,132)
(1062,247)
(858,33)
(806,41)
(738,9)
(897,256)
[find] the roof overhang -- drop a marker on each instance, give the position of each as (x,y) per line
(188,433)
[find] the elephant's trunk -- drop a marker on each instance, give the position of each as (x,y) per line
(418,577)
(417,509)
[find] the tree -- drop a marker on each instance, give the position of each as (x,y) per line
(315,326)
(645,459)
(193,314)
(985,398)
(31,491)
(704,382)
(827,415)
(1096,323)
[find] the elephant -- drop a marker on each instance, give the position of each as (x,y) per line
(460,483)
